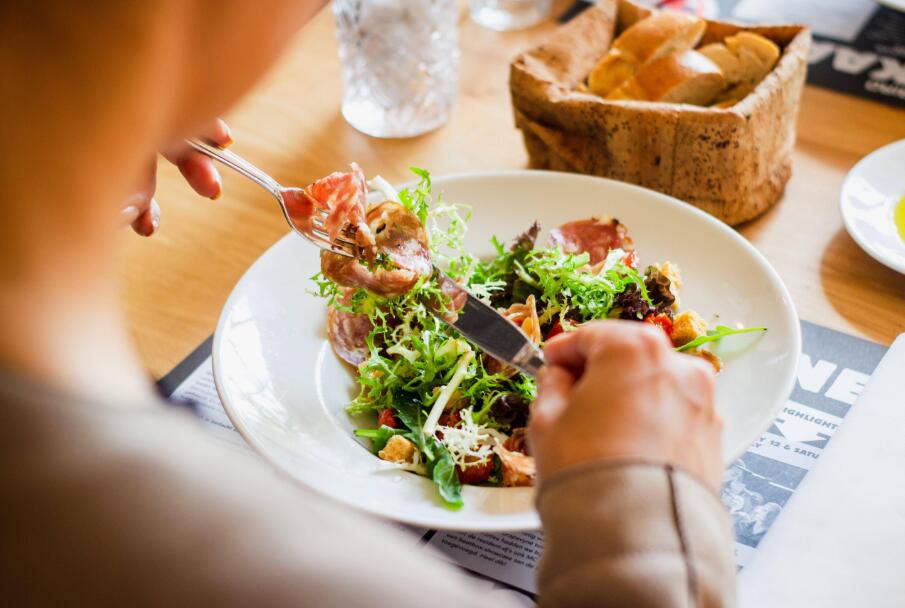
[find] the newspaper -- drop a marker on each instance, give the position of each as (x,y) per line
(833,370)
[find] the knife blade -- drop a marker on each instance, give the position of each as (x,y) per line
(487,328)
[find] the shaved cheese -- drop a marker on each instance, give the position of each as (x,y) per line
(470,442)
(440,404)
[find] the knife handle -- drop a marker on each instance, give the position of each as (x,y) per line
(529,360)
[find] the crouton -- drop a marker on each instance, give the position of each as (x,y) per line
(687,326)
(398,449)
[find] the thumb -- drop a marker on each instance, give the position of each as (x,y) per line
(554,385)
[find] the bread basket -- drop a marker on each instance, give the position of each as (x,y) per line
(732,162)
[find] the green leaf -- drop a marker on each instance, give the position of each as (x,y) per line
(379,437)
(407,408)
(443,472)
(720,332)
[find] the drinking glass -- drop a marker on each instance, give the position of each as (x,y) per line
(503,15)
(400,63)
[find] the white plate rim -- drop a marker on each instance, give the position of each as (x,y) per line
(529,521)
(848,219)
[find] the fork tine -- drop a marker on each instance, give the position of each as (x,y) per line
(335,247)
(324,214)
(340,241)
(346,231)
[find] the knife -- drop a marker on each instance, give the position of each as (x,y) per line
(487,328)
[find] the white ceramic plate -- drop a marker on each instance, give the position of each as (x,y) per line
(870,193)
(285,390)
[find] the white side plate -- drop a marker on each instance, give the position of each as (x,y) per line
(870,193)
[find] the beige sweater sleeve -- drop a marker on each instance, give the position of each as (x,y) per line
(634,534)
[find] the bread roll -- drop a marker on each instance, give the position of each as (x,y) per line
(756,53)
(725,59)
(660,34)
(681,77)
(745,58)
(646,41)
(610,72)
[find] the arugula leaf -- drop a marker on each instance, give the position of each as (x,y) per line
(408,410)
(379,437)
(718,333)
(440,465)
(442,470)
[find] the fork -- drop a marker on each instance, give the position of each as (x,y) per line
(474,319)
(318,236)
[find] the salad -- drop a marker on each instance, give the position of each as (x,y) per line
(438,406)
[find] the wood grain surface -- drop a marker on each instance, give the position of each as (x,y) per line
(175,283)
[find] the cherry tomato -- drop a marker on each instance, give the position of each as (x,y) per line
(387,418)
(661,320)
(476,473)
(555,330)
(631,260)
(449,418)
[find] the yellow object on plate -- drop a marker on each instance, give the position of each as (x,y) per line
(898,216)
(873,205)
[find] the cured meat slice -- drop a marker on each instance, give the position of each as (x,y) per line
(398,258)
(348,334)
(400,235)
(596,236)
(518,469)
(342,195)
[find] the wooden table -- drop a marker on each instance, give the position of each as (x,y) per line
(175,283)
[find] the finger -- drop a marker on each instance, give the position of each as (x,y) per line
(563,351)
(140,200)
(148,222)
(199,170)
(696,379)
(553,387)
(574,349)
(136,205)
(629,346)
(218,133)
(201,174)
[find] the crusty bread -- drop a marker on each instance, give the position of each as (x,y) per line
(660,34)
(726,60)
(612,71)
(646,41)
(745,59)
(756,53)
(680,77)
(732,163)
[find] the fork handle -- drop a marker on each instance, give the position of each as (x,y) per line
(237,163)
